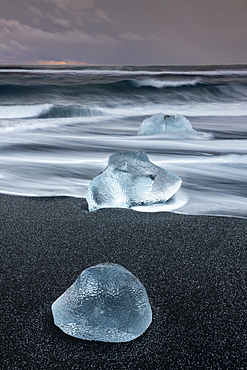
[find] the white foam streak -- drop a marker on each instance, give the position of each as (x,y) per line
(23,111)
(22,125)
(220,159)
(193,110)
(214,203)
(177,201)
(112,72)
(161,84)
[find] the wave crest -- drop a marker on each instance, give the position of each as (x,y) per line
(47,111)
(23,111)
(61,111)
(159,84)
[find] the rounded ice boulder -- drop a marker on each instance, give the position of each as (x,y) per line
(178,125)
(106,303)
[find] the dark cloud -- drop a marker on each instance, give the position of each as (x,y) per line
(126,32)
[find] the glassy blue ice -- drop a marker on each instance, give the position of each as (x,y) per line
(168,124)
(106,303)
(130,179)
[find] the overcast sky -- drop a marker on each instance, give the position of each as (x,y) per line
(124,32)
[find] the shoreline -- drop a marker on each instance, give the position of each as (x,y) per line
(193,268)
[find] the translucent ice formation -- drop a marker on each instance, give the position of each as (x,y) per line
(106,303)
(130,179)
(169,124)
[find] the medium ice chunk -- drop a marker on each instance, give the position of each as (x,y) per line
(169,124)
(106,303)
(152,125)
(130,179)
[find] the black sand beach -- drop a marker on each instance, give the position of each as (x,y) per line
(193,268)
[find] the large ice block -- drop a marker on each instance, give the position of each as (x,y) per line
(106,303)
(130,179)
(168,124)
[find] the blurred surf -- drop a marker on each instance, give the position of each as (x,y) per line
(58,127)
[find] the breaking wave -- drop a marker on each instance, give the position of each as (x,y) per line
(159,84)
(47,111)
(71,111)
(23,111)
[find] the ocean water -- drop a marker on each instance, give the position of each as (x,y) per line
(58,126)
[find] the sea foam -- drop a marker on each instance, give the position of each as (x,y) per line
(23,111)
(159,84)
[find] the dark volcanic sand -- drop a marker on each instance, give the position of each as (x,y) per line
(193,268)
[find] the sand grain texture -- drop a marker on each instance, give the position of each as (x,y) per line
(193,268)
